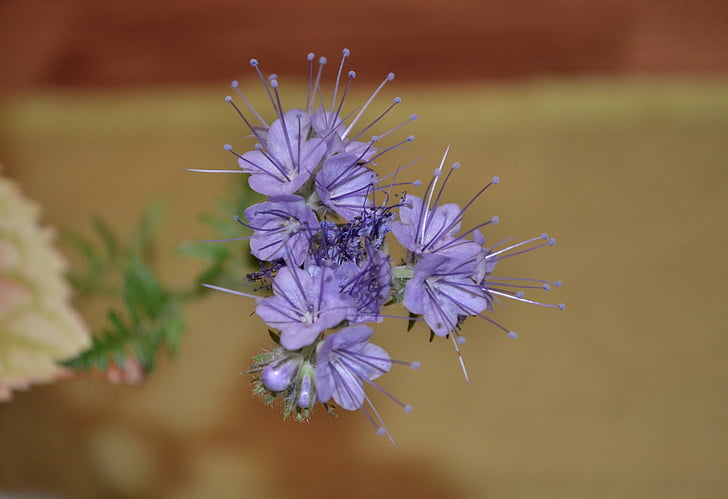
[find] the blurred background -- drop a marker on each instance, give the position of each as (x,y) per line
(607,122)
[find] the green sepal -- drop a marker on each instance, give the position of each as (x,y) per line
(276,337)
(412,321)
(330,409)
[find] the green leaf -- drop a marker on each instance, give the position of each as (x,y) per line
(104,346)
(144,347)
(208,250)
(150,320)
(142,292)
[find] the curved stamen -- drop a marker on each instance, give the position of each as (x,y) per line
(459,216)
(560,306)
(254,63)
(389,77)
(231,291)
(412,117)
(460,358)
(381,152)
(253,129)
(310,57)
(236,85)
(198,170)
(317,86)
(394,103)
(431,189)
(544,237)
(351,75)
(345,54)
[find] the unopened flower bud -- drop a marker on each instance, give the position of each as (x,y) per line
(278,375)
(306,390)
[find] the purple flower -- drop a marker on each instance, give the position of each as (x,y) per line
(300,140)
(305,303)
(282,227)
(422,230)
(285,161)
(344,185)
(330,127)
(442,289)
(344,362)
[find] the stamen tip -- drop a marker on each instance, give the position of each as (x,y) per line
(254,62)
(234,83)
(397,100)
(352,74)
(408,408)
(417,183)
(558,284)
(346,52)
(512,335)
(228,99)
(544,236)
(390,76)
(273,82)
(414,117)
(381,431)
(546,287)
(520,294)
(323,60)
(456,165)
(552,242)
(227,147)
(496,180)
(310,56)
(410,138)
(415,365)
(495,219)
(461,340)
(561,306)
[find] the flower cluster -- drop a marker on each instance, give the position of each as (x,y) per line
(322,239)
